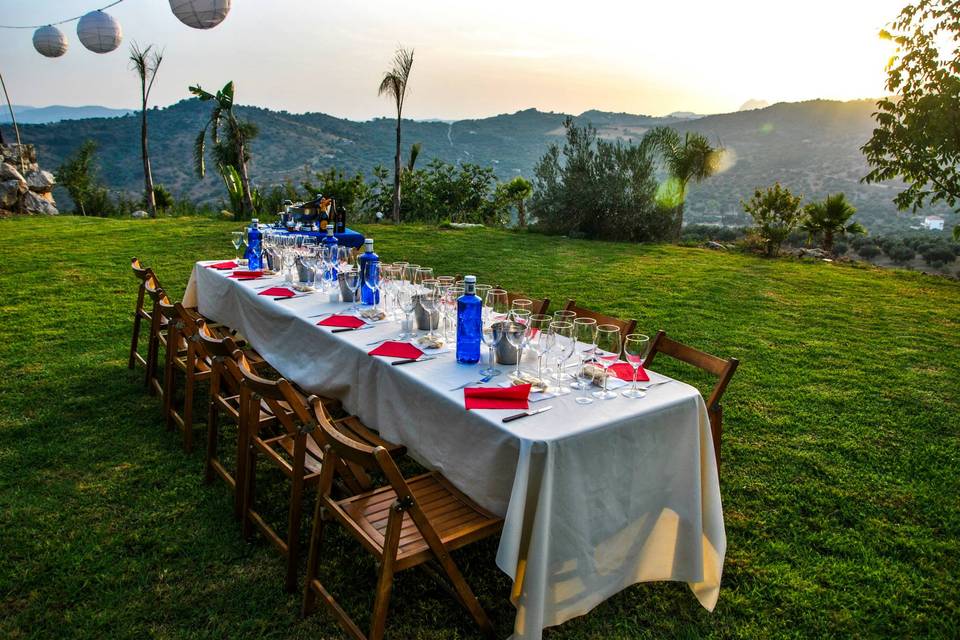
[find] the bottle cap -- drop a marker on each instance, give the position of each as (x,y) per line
(368,244)
(470,279)
(254,221)
(329,231)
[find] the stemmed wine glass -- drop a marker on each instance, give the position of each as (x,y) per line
(449,304)
(585,332)
(289,258)
(539,339)
(635,347)
(517,336)
(607,352)
(353,280)
(430,294)
(236,237)
(407,300)
(373,278)
(561,348)
(410,273)
(493,313)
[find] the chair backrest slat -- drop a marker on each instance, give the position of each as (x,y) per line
(723,369)
(346,448)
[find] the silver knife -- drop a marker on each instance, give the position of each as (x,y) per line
(524,414)
(409,360)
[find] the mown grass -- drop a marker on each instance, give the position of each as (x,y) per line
(840,481)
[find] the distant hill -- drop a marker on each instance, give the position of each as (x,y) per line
(811,147)
(55,113)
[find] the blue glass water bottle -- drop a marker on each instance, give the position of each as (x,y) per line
(368,261)
(469,322)
(253,251)
(330,243)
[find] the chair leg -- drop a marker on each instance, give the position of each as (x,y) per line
(169,390)
(189,388)
(240,473)
(249,486)
(378,620)
(467,597)
(213,432)
(293,530)
(313,562)
(135,341)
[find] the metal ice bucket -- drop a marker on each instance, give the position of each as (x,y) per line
(425,322)
(506,353)
(345,294)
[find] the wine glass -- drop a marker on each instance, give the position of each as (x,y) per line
(539,339)
(585,333)
(482,290)
(493,312)
(561,348)
(430,294)
(289,257)
(635,347)
(407,301)
(522,304)
(353,280)
(607,352)
(237,240)
(517,336)
(449,304)
(564,316)
(373,278)
(410,273)
(423,274)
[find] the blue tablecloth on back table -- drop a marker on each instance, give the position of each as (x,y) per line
(349,238)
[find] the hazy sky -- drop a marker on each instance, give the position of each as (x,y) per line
(472,58)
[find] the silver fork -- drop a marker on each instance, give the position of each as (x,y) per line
(482,380)
(655,384)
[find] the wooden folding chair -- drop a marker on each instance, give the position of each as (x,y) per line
(626,326)
(140,312)
(158,333)
(294,449)
(403,524)
(723,369)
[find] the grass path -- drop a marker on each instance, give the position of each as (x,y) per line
(841,457)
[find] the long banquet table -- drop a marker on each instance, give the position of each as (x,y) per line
(595,498)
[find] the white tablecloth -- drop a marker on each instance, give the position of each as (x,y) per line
(595,497)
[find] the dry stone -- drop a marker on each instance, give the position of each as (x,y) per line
(40,181)
(10,192)
(32,203)
(9,172)
(30,195)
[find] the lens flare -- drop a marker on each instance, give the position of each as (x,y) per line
(669,193)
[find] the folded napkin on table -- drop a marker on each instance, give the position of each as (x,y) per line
(246,275)
(223,265)
(394,349)
(278,292)
(497,397)
(349,322)
(624,371)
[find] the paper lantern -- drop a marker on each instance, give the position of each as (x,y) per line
(50,41)
(100,32)
(200,14)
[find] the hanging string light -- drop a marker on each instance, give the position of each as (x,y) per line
(50,41)
(101,33)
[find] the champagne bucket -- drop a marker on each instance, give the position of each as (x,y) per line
(425,321)
(303,273)
(345,294)
(506,353)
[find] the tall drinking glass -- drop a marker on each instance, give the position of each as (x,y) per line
(407,300)
(539,339)
(635,347)
(517,337)
(236,238)
(522,304)
(561,349)
(585,332)
(430,294)
(607,354)
(494,312)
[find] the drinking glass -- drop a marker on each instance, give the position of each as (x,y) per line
(446,281)
(430,294)
(522,304)
(564,316)
(410,273)
(289,258)
(584,381)
(539,338)
(607,353)
(585,333)
(373,278)
(407,301)
(449,305)
(423,274)
(401,270)
(635,347)
(517,337)
(353,281)
(561,349)
(494,311)
(482,291)
(237,240)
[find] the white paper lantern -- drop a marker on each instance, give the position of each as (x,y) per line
(200,14)
(50,41)
(100,32)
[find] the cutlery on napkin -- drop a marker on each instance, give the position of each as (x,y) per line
(497,397)
(396,349)
(411,360)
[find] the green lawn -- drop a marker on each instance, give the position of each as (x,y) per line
(841,456)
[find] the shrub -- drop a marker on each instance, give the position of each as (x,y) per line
(868,251)
(776,213)
(900,253)
(840,248)
(941,254)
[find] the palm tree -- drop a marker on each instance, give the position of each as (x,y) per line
(691,158)
(516,192)
(222,116)
(414,154)
(394,84)
(830,218)
(146,64)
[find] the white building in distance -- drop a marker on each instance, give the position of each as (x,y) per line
(932,223)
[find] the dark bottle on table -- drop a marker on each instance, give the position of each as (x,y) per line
(469,322)
(339,218)
(369,266)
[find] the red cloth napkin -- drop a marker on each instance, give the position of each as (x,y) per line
(278,292)
(349,322)
(223,265)
(246,275)
(497,397)
(393,349)
(624,371)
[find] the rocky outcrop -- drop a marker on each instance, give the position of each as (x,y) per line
(24,187)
